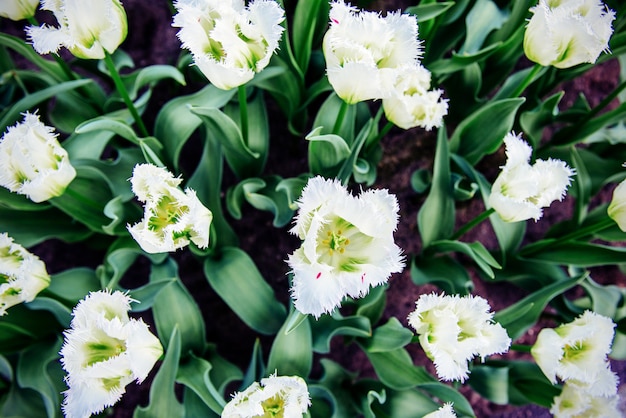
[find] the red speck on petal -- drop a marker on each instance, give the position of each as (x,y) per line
(362,277)
(335,21)
(318,275)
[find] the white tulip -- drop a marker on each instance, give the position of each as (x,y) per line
(574,402)
(18,9)
(617,207)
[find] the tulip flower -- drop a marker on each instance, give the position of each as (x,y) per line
(276,396)
(574,402)
(445,411)
(453,330)
(577,353)
(521,190)
(364,50)
(411,103)
(22,274)
(18,9)
(88,28)
(347,245)
(104,350)
(172,218)
(229,42)
(34,163)
(617,207)
(566,33)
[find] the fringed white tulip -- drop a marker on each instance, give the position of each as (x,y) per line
(574,402)
(577,352)
(522,190)
(22,274)
(453,330)
(18,9)
(87,28)
(566,33)
(411,104)
(33,162)
(276,396)
(347,245)
(617,207)
(104,350)
(446,411)
(172,218)
(363,51)
(229,42)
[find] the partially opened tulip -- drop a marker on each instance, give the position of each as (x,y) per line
(453,330)
(276,396)
(172,217)
(576,402)
(104,351)
(363,51)
(577,352)
(411,103)
(22,274)
(229,42)
(18,9)
(566,33)
(347,245)
(617,207)
(33,162)
(88,28)
(521,191)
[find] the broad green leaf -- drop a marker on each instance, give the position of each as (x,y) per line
(326,152)
(328,326)
(309,16)
(426,12)
(475,250)
(146,295)
(33,372)
(10,115)
(19,403)
(397,404)
(223,372)
(388,337)
(436,216)
(150,75)
(235,277)
(534,121)
(163,400)
(396,369)
(373,304)
(174,309)
(256,367)
(263,194)
(606,299)
(19,202)
(195,407)
(194,374)
(579,131)
(448,394)
(484,17)
(73,284)
(483,131)
(522,315)
(175,122)
(292,354)
(442,271)
(581,254)
(59,311)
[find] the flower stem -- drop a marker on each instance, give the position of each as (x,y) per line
(521,348)
(243,113)
(579,233)
(380,135)
(121,89)
(527,81)
(340,117)
(471,224)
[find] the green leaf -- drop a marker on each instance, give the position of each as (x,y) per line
(163,400)
(329,326)
(292,354)
(388,337)
(523,314)
(447,394)
(238,282)
(483,18)
(147,294)
(10,115)
(439,204)
(150,75)
(606,299)
(174,309)
(194,374)
(426,12)
(397,404)
(373,304)
(61,312)
(475,250)
(33,372)
(175,122)
(581,254)
(534,121)
(326,152)
(308,17)
(396,370)
(73,284)
(50,68)
(483,131)
(442,271)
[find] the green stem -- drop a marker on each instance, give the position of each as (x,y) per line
(243,113)
(340,117)
(381,134)
(521,348)
(471,224)
(578,233)
(527,81)
(121,89)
